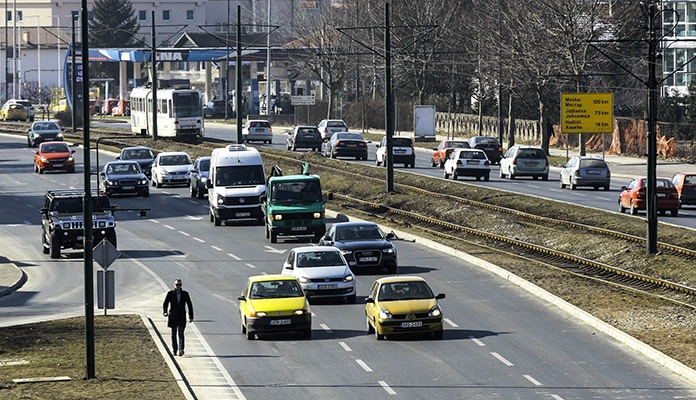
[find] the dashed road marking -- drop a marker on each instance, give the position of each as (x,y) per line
(478,342)
(386,387)
(345,346)
(199,240)
(235,257)
(534,381)
(215,248)
(250,265)
(451,323)
(184,233)
(502,359)
(168,227)
(364,366)
(326,328)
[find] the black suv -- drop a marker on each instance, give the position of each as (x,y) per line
(62,222)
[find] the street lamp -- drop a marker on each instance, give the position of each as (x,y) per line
(60,77)
(38,49)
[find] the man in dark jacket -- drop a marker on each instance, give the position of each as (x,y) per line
(176,302)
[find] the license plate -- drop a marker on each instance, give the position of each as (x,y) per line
(413,324)
(472,162)
(280,322)
(326,287)
(488,148)
(242,214)
(593,172)
(531,164)
(259,130)
(661,195)
(367,259)
(298,228)
(128,187)
(352,145)
(399,151)
(57,165)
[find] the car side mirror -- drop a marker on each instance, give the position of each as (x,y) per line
(102,174)
(288,266)
(391,236)
(241,298)
(118,157)
(623,188)
(369,300)
(72,151)
(208,184)
(440,296)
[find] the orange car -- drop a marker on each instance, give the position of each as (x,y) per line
(443,151)
(635,196)
(54,156)
(685,182)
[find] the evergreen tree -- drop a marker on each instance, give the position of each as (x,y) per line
(113,24)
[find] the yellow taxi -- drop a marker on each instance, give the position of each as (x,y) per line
(13,112)
(274,303)
(403,304)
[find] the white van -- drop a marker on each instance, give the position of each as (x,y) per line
(236,184)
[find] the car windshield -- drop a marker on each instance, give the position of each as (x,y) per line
(360,232)
(661,183)
(320,259)
(395,291)
(239,175)
(457,145)
(175,160)
(486,140)
(73,205)
(472,155)
(402,142)
(275,289)
(349,136)
(45,126)
(531,153)
(259,124)
(296,192)
(308,131)
(204,165)
(137,154)
(336,124)
(123,169)
(593,164)
(55,148)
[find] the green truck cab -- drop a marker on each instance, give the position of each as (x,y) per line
(294,206)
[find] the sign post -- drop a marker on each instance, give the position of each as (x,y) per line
(105,254)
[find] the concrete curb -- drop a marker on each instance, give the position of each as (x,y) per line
(12,273)
(577,313)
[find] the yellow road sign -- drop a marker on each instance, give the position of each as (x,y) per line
(587,112)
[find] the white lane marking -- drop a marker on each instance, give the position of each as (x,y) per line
(556,397)
(534,381)
(326,328)
(30,206)
(168,226)
(452,324)
(478,342)
(502,359)
(579,194)
(534,186)
(363,365)
(216,248)
(386,387)
(555,190)
(274,250)
(199,240)
(193,202)
(250,265)
(155,221)
(192,217)
(184,233)
(345,346)
(235,257)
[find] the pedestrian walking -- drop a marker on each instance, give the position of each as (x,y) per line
(174,307)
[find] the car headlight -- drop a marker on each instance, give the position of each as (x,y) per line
(109,182)
(348,278)
(204,180)
(143,181)
(384,314)
(60,135)
(44,159)
(276,217)
(319,215)
(303,279)
(260,314)
(71,159)
(388,251)
(162,171)
(220,199)
(435,312)
(346,252)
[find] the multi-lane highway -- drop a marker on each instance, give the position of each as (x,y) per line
(500,342)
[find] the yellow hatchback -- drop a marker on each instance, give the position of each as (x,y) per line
(13,112)
(403,304)
(274,303)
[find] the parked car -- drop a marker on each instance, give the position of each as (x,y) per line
(363,244)
(491,145)
(322,271)
(525,161)
(327,127)
(199,176)
(13,112)
(403,304)
(685,182)
(171,168)
(585,171)
(54,156)
(634,196)
(257,130)
(467,162)
(215,109)
(346,144)
(143,155)
(402,151)
(109,106)
(444,149)
(274,303)
(123,177)
(304,137)
(43,131)
(31,112)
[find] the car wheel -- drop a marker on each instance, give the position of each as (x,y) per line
(44,245)
(250,335)
(486,178)
(445,175)
(502,175)
(606,188)
(622,209)
(217,221)
(54,246)
(563,185)
(210,214)
(455,176)
(154,183)
(378,335)
(268,232)
(511,176)
(442,163)
(368,325)
(674,212)
(634,209)
(544,177)
(192,190)
(535,177)
(572,186)
(41,171)
(377,163)
(274,236)
(200,193)
(433,163)
(333,155)
(294,147)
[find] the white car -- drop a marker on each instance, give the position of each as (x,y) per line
(257,130)
(402,151)
(322,272)
(171,168)
(327,127)
(468,162)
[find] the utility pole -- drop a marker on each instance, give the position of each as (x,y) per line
(238,71)
(153,75)
(388,99)
(652,130)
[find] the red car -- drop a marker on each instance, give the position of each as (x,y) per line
(635,196)
(444,149)
(54,156)
(685,182)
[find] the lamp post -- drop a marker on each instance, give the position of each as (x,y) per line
(60,77)
(14,48)
(268,62)
(38,50)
